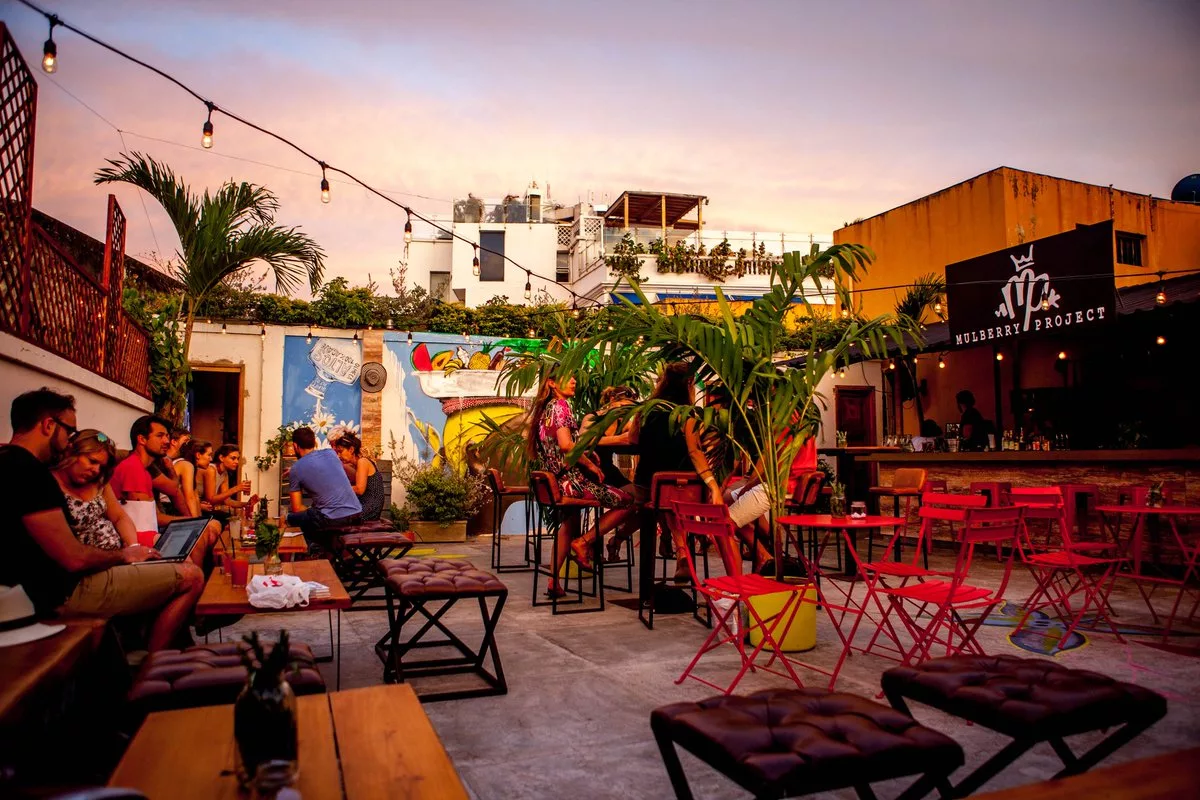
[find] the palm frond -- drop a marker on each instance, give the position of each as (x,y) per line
(925,291)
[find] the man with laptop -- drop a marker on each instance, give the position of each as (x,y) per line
(133,485)
(59,573)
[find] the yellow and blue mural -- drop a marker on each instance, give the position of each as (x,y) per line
(320,384)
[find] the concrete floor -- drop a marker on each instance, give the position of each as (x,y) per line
(581,688)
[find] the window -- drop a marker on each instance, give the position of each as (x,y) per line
(562,268)
(438,281)
(491,264)
(1129,248)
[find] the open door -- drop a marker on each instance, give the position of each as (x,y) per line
(215,412)
(854,413)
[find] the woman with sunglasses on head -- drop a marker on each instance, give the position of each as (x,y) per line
(83,472)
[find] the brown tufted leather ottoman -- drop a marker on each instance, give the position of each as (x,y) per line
(359,549)
(1030,699)
(791,742)
(430,587)
(207,675)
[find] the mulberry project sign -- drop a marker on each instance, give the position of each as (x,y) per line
(1051,285)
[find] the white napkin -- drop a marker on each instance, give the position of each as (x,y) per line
(277,591)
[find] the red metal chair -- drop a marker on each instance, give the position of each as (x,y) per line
(665,489)
(712,522)
(1047,503)
(879,575)
(1064,573)
(946,626)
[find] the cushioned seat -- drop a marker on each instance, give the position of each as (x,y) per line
(412,584)
(788,742)
(358,551)
(1031,700)
(209,674)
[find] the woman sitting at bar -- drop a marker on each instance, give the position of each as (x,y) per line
(553,431)
(192,471)
(228,494)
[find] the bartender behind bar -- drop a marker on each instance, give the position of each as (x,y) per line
(974,428)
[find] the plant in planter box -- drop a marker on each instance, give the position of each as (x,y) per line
(442,498)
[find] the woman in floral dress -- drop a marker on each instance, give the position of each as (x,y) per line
(553,431)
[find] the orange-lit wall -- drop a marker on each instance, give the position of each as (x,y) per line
(1005,207)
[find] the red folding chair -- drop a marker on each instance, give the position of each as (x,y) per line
(939,619)
(895,574)
(712,522)
(1070,582)
(1046,503)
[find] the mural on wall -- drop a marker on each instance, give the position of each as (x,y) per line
(448,385)
(320,384)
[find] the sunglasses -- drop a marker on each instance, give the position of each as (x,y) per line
(76,435)
(71,430)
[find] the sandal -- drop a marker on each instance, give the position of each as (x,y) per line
(583,553)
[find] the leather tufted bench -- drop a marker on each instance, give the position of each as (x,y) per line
(1031,700)
(429,587)
(359,549)
(790,742)
(208,675)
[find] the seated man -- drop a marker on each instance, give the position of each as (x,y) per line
(60,573)
(131,481)
(320,473)
(166,482)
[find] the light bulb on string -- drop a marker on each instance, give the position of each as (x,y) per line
(941,362)
(1160,340)
(324,185)
(50,50)
(528,286)
(937,307)
(206,136)
(531,333)
(263,331)
(1062,355)
(1161,297)
(891,363)
(999,356)
(355,336)
(842,372)
(408,228)
(475,261)
(224,328)
(1045,304)
(308,336)
(410,339)
(845,313)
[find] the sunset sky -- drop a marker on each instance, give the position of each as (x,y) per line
(791,116)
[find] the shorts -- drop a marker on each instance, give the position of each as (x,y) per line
(749,506)
(126,589)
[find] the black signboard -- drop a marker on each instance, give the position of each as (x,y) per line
(1053,285)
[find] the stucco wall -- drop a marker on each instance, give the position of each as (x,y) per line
(99,403)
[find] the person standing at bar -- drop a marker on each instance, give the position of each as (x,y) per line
(973,427)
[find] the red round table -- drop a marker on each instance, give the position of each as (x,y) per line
(831,525)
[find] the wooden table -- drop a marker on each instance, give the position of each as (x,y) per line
(1171,775)
(222,597)
(29,671)
(361,743)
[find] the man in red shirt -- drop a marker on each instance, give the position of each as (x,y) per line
(131,480)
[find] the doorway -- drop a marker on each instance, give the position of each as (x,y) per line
(215,407)
(854,413)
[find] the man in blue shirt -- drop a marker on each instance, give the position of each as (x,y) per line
(320,473)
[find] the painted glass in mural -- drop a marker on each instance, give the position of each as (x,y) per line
(320,384)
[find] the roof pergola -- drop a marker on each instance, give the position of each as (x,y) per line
(655,210)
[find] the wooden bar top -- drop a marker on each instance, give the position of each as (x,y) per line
(1170,775)
(395,750)
(1187,455)
(222,597)
(188,754)
(26,670)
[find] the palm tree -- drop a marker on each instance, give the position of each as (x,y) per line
(925,292)
(220,234)
(738,353)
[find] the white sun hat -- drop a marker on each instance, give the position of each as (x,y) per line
(18,620)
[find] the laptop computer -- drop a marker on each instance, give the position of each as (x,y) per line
(179,538)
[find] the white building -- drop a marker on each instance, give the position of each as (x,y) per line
(559,252)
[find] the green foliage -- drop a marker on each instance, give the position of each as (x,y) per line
(169,369)
(401,516)
(273,448)
(267,536)
(623,260)
(438,494)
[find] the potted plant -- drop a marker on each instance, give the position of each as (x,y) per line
(439,501)
(264,716)
(837,500)
(278,445)
(1154,498)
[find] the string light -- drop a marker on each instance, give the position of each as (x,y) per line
(531,333)
(891,363)
(355,336)
(263,331)
(937,307)
(410,341)
(324,184)
(999,356)
(842,372)
(1045,303)
(941,362)
(224,328)
(475,261)
(408,229)
(1062,355)
(1160,340)
(206,136)
(308,337)
(845,313)
(50,50)
(528,286)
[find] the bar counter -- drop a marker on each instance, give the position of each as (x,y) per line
(1109,469)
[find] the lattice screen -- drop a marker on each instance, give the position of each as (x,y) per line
(18,108)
